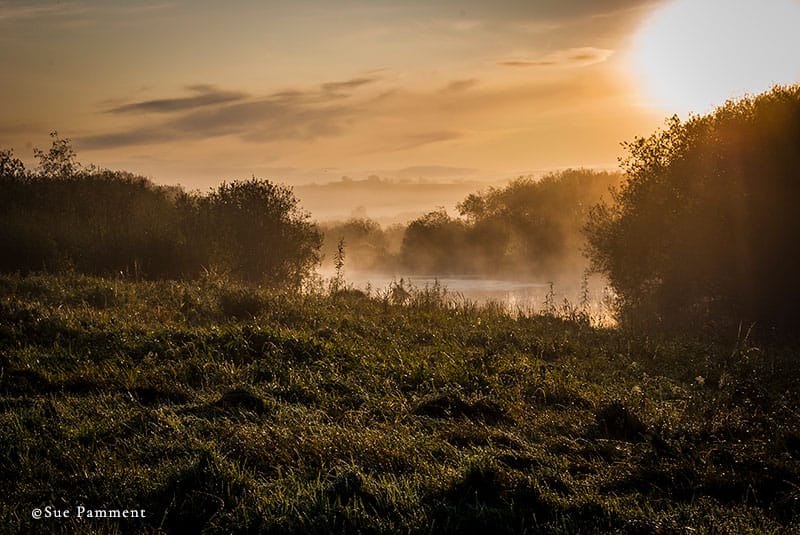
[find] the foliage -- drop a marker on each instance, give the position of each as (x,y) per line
(259,233)
(67,217)
(101,223)
(369,246)
(10,166)
(530,227)
(58,162)
(221,407)
(705,229)
(435,243)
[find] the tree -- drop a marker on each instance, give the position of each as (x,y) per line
(10,166)
(58,162)
(367,247)
(259,232)
(704,231)
(533,226)
(435,243)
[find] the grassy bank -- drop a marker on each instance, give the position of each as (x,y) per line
(218,407)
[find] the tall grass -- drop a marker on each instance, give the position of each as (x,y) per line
(224,407)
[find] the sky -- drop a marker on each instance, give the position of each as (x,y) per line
(309,91)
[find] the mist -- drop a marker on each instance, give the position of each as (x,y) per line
(521,243)
(385,200)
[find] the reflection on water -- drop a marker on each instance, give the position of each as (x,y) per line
(514,295)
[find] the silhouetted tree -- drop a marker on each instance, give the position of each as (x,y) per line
(10,167)
(58,162)
(66,216)
(435,243)
(706,227)
(259,232)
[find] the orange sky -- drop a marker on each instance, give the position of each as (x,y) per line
(200,92)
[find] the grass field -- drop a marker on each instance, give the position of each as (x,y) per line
(223,408)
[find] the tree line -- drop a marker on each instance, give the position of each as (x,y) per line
(63,216)
(706,227)
(531,228)
(700,228)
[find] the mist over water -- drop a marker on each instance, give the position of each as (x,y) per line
(519,246)
(512,294)
(470,287)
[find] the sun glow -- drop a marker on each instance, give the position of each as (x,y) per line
(693,55)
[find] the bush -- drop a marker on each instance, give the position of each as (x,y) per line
(258,232)
(705,229)
(435,243)
(100,223)
(368,248)
(65,216)
(531,227)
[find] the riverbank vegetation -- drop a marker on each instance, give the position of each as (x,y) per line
(63,217)
(171,352)
(705,229)
(226,408)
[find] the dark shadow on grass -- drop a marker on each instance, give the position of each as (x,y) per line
(452,405)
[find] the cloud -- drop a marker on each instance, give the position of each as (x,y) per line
(552,10)
(457,86)
(268,119)
(571,57)
(354,83)
(16,10)
(290,114)
(136,136)
(415,140)
(13,11)
(384,119)
(257,121)
(522,63)
(424,138)
(207,95)
(289,94)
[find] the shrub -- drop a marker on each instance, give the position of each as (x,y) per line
(531,227)
(435,243)
(65,216)
(705,229)
(257,231)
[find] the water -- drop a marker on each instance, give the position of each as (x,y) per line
(515,295)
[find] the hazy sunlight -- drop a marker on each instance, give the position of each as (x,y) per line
(692,55)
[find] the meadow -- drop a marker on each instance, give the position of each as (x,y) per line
(218,406)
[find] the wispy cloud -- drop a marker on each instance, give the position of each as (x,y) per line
(354,83)
(414,140)
(19,10)
(13,11)
(261,120)
(207,95)
(213,112)
(571,57)
(457,86)
(527,63)
(387,118)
